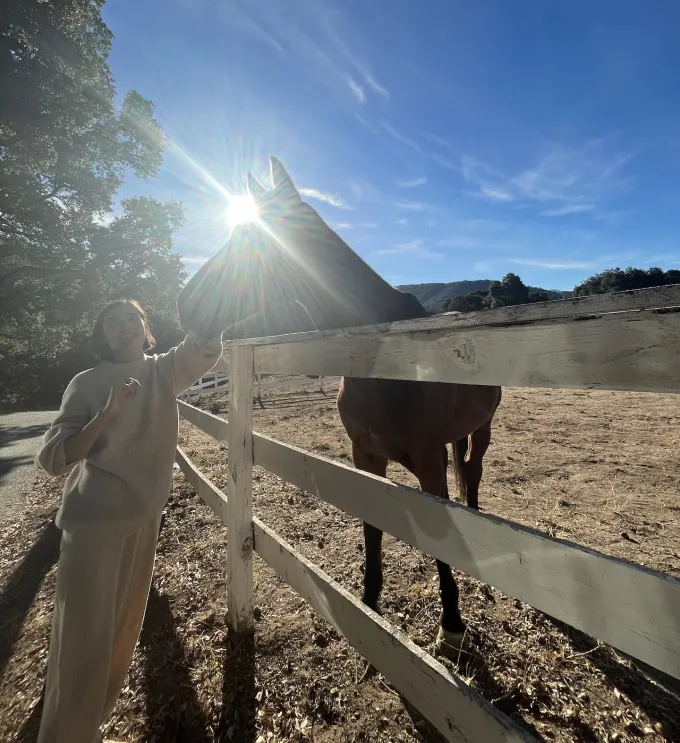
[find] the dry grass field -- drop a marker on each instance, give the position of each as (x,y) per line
(598,468)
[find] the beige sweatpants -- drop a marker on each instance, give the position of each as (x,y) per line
(103,581)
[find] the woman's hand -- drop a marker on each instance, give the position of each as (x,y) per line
(78,446)
(119,395)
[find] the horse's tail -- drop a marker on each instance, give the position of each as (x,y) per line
(462,450)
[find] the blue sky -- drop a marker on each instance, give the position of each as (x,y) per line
(444,140)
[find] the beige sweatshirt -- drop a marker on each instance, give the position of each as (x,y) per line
(126,477)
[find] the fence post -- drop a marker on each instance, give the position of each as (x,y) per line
(240,492)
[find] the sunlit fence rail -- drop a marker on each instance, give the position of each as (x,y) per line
(628,341)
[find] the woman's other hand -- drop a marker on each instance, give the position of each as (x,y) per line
(119,396)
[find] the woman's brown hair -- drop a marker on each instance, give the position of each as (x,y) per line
(99,344)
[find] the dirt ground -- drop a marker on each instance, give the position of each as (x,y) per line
(594,467)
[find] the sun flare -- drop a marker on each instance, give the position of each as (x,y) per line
(241,209)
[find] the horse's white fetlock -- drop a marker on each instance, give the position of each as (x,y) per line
(451,644)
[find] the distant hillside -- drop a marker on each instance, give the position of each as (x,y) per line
(432,295)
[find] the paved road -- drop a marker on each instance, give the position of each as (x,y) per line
(20,435)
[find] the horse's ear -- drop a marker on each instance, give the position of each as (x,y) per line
(255,188)
(281,180)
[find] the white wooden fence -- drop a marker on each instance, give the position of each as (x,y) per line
(218,379)
(617,342)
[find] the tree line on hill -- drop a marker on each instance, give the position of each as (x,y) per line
(511,290)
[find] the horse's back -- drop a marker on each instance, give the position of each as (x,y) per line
(412,414)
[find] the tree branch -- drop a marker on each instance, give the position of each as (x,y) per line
(37,272)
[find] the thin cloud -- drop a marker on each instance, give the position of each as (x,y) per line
(327,198)
(441,141)
(198,260)
(568,209)
(308,33)
(565,180)
(556,265)
(412,206)
(359,64)
(495,194)
(400,137)
(379,89)
(445,162)
(250,26)
(412,183)
(343,226)
(412,247)
(403,221)
(357,90)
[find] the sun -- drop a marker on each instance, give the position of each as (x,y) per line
(241,209)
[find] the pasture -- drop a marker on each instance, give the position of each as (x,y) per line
(597,468)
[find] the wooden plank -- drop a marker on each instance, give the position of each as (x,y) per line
(456,710)
(210,493)
(211,424)
(638,299)
(635,351)
(240,510)
(421,679)
(632,608)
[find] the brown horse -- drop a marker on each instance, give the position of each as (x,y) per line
(290,259)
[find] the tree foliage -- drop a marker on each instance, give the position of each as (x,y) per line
(618,280)
(508,292)
(64,150)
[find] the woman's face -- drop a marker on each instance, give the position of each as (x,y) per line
(124,332)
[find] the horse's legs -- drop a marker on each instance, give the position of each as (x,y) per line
(373,576)
(471,471)
(432,477)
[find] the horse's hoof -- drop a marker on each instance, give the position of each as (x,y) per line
(452,645)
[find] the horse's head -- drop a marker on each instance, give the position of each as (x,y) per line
(287,272)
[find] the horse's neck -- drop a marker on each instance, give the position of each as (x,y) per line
(380,307)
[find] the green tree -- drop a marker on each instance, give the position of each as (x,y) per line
(64,150)
(618,280)
(470,302)
(510,291)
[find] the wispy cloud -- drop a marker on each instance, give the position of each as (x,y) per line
(403,221)
(380,89)
(396,134)
(413,248)
(370,225)
(556,265)
(313,35)
(565,180)
(441,141)
(411,206)
(412,182)
(358,91)
(568,209)
(197,260)
(327,198)
(444,162)
(343,226)
(495,194)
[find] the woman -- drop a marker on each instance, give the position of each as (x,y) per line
(116,432)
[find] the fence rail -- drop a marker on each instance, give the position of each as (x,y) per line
(630,607)
(450,704)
